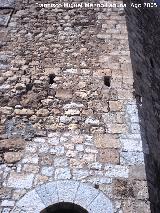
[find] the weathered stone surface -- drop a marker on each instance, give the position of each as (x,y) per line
(80,174)
(92,121)
(12,157)
(14,144)
(5,193)
(31,168)
(32,202)
(62,173)
(123,189)
(48,171)
(115,105)
(100,204)
(141,190)
(117,128)
(132,158)
(85,195)
(137,172)
(51,189)
(131,145)
(44,195)
(31,158)
(73,106)
(24,112)
(8,203)
(106,141)
(108,156)
(40,179)
(67,190)
(63,94)
(21,181)
(42,112)
(60,162)
(72,112)
(139,206)
(116,171)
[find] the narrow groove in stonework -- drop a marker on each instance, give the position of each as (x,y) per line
(57,191)
(93,199)
(76,192)
(48,191)
(10,17)
(39,197)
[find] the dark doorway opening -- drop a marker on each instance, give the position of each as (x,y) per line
(64,207)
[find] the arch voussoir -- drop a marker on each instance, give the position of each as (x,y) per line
(67,190)
(85,195)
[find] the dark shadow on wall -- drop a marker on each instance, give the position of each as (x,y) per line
(144,40)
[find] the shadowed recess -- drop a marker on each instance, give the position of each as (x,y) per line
(64,207)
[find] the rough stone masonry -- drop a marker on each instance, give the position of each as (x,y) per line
(68,111)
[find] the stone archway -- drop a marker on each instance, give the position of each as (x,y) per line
(64,191)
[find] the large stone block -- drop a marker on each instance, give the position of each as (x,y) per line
(137,172)
(131,145)
(132,158)
(108,156)
(12,144)
(20,181)
(116,171)
(106,141)
(12,157)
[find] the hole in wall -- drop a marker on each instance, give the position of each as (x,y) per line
(96,186)
(64,207)
(83,42)
(29,87)
(107,81)
(51,78)
(38,9)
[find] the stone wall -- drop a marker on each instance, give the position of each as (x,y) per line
(144,46)
(67,104)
